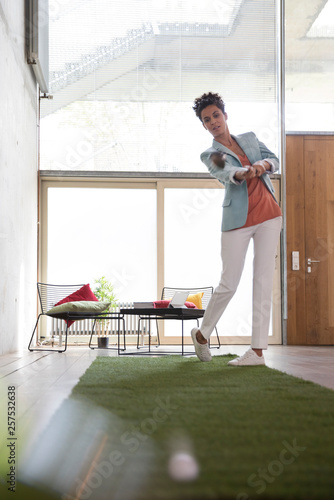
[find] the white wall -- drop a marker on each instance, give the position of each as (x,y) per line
(18,182)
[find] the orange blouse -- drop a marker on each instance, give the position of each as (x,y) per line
(261,204)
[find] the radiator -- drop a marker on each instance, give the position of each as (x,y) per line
(85,326)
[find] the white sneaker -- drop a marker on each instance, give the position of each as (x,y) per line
(250,358)
(202,350)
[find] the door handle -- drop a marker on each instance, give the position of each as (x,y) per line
(310,261)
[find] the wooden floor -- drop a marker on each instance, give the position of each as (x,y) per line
(44,380)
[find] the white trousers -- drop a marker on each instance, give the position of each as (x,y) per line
(234,246)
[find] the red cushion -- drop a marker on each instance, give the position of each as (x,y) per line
(84,293)
(190,305)
(162,304)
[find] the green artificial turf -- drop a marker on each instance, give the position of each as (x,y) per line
(254,431)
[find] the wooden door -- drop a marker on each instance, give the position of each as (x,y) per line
(319,239)
(310,231)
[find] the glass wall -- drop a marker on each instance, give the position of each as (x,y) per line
(124,74)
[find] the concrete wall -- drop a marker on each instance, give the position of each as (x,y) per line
(18,182)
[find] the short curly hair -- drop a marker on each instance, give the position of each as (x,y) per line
(205,100)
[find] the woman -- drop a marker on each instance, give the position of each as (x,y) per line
(249,211)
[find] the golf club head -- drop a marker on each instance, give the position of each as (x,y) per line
(218,159)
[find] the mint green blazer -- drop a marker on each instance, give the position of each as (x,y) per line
(235,204)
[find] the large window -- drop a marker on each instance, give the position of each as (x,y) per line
(124,74)
(115,230)
(309,89)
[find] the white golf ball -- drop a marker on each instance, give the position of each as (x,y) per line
(183,467)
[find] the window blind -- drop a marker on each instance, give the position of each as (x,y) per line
(124,74)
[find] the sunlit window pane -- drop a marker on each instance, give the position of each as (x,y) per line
(104,232)
(309,44)
(192,255)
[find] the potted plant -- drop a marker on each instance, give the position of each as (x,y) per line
(104,291)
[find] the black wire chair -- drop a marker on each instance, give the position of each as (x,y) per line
(49,295)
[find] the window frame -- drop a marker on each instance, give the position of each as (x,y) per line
(160,184)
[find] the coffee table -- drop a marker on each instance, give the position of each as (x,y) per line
(167,313)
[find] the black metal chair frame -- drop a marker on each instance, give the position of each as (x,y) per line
(49,295)
(167,294)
